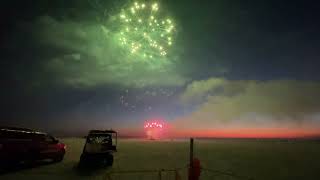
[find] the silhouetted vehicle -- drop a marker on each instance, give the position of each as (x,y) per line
(21,145)
(99,148)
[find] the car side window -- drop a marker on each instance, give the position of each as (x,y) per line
(49,139)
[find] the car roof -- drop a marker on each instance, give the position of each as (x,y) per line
(20,130)
(101,131)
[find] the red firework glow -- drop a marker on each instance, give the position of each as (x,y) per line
(154,129)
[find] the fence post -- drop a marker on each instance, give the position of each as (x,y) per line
(191,159)
(191,151)
(160,174)
(177,176)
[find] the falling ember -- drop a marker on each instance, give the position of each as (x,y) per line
(154,129)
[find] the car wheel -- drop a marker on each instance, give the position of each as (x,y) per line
(109,160)
(82,161)
(58,159)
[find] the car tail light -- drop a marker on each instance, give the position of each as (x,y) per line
(61,146)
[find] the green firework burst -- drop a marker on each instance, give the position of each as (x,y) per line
(144,31)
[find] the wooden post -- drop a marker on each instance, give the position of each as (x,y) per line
(160,176)
(191,158)
(177,175)
(191,151)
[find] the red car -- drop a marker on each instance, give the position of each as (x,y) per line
(21,145)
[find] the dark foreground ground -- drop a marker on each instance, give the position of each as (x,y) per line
(259,160)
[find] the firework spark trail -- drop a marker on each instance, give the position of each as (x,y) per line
(144,31)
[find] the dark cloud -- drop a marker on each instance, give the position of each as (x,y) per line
(61,63)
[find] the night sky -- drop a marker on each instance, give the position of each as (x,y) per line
(236,68)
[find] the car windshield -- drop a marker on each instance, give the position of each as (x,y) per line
(99,139)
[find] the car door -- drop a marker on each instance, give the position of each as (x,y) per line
(48,147)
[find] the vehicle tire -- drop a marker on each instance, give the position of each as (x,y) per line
(29,159)
(58,159)
(109,160)
(82,161)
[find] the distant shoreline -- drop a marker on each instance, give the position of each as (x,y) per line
(317,139)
